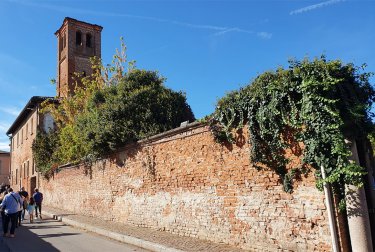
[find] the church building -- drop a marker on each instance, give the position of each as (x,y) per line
(77,42)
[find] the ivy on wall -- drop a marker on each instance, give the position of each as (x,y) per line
(44,149)
(319,103)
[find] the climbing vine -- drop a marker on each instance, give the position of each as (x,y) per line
(43,151)
(319,103)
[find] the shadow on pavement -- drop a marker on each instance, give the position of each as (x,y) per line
(26,240)
(67,214)
(43,227)
(56,235)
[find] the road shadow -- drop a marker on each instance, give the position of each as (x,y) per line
(44,227)
(26,240)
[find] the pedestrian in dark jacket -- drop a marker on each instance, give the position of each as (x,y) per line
(25,196)
(2,207)
(38,198)
(20,208)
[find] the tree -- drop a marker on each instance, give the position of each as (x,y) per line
(108,110)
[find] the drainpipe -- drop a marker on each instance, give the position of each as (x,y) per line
(331,214)
(36,132)
(371,191)
(357,211)
(10,159)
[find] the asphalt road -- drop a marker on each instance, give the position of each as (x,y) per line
(49,235)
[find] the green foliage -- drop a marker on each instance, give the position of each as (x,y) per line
(288,180)
(371,138)
(109,109)
(320,103)
(43,148)
(138,107)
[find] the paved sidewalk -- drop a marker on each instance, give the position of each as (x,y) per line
(146,238)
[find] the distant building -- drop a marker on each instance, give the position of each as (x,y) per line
(77,42)
(4,167)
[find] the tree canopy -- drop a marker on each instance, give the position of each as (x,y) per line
(108,110)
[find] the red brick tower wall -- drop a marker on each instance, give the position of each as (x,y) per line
(73,55)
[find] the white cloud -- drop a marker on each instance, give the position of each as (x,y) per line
(10,110)
(4,146)
(264,35)
(4,143)
(314,6)
(225,30)
(220,29)
(3,128)
(10,60)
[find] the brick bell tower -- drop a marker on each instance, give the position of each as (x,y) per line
(77,42)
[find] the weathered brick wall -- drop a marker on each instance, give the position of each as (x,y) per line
(22,164)
(189,185)
(75,58)
(4,167)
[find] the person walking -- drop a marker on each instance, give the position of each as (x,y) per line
(11,203)
(20,208)
(31,209)
(2,208)
(38,198)
(25,196)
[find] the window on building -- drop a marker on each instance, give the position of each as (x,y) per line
(27,130)
(24,170)
(18,140)
(88,40)
(27,168)
(16,176)
(32,126)
(60,44)
(32,167)
(22,136)
(78,38)
(64,41)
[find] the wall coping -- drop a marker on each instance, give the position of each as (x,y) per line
(172,132)
(150,140)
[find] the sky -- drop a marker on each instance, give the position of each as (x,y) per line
(204,48)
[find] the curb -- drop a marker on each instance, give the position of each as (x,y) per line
(115,236)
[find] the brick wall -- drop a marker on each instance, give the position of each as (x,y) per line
(4,168)
(22,164)
(187,184)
